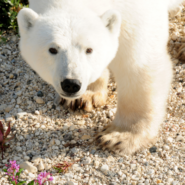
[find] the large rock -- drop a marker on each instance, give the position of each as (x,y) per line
(28,166)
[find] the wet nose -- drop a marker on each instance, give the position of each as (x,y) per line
(71,85)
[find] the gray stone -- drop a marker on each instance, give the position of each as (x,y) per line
(8,118)
(18,148)
(2,107)
(120,160)
(87,161)
(68,137)
(8,108)
(57,142)
(74,150)
(26,158)
(113,183)
(93,151)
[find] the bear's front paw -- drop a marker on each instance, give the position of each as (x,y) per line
(121,142)
(87,102)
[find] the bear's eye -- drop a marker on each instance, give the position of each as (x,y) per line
(89,50)
(53,51)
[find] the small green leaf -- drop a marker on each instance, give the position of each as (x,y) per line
(22,182)
(13,182)
(21,169)
(18,173)
(5,170)
(31,183)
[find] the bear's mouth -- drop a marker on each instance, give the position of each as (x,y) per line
(70,96)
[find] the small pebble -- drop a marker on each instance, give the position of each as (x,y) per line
(150,172)
(57,142)
(39,100)
(40,94)
(153,149)
(37,112)
(85,137)
(70,183)
(169,140)
(180,138)
(175,183)
(170,180)
(87,161)
(41,166)
(11,76)
(104,168)
(166,147)
(68,137)
(96,164)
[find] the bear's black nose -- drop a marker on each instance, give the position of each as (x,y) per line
(71,85)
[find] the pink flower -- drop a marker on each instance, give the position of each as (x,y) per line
(44,177)
(13,168)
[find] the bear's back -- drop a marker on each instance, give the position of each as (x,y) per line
(43,6)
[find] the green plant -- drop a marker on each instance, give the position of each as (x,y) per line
(63,167)
(9,10)
(13,171)
(2,38)
(4,9)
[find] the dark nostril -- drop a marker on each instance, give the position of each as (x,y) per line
(71,85)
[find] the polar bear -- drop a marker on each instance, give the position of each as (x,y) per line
(70,44)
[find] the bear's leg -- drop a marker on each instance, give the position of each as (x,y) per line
(142,95)
(96,95)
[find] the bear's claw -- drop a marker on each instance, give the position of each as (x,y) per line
(119,141)
(87,102)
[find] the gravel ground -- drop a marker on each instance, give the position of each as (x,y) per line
(47,135)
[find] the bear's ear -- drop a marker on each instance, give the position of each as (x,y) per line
(26,19)
(112,20)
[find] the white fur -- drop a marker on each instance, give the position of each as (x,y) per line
(141,65)
(61,27)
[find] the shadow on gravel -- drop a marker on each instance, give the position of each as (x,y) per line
(53,133)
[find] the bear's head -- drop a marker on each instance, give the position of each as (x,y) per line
(69,49)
